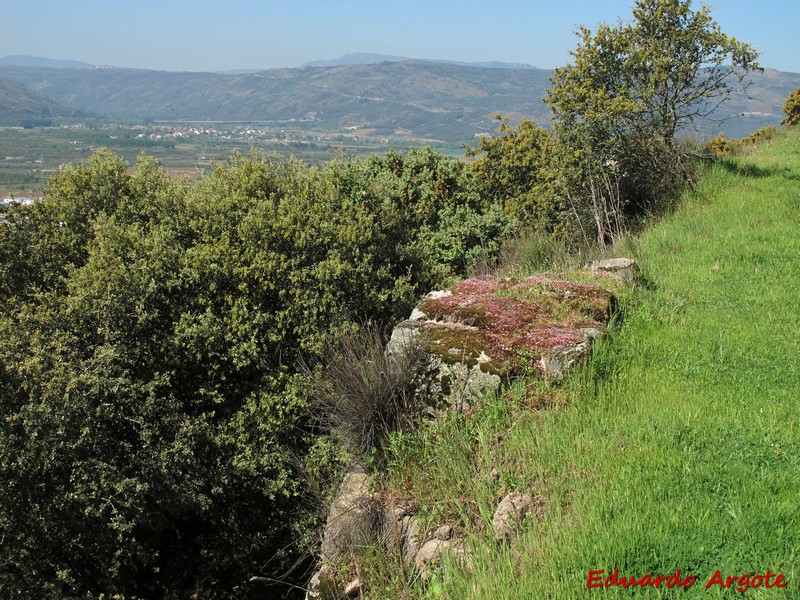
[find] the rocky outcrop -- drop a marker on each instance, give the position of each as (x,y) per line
(487,329)
(621,268)
(475,335)
(513,509)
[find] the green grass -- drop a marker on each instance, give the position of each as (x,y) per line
(678,447)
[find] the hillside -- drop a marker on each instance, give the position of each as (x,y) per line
(675,453)
(20,102)
(431,100)
(22,60)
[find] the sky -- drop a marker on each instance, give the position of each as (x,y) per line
(205,35)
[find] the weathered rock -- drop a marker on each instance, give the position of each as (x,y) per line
(353,589)
(323,585)
(352,518)
(438,294)
(487,329)
(463,385)
(405,336)
(417,315)
(394,517)
(511,511)
(444,533)
(401,532)
(411,539)
(622,268)
(555,362)
(431,551)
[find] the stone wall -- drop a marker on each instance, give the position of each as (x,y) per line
(478,334)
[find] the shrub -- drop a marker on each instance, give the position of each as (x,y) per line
(792,109)
(436,201)
(155,424)
(515,170)
(718,146)
(362,393)
(757,137)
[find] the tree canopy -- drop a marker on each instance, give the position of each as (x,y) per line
(658,74)
(619,108)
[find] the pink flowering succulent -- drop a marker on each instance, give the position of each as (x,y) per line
(506,324)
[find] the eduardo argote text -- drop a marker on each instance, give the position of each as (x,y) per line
(598,578)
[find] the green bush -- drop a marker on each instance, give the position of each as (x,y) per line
(515,170)
(157,434)
(792,109)
(453,224)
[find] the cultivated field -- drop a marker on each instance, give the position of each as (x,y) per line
(29,156)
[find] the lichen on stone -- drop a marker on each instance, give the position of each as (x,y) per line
(505,324)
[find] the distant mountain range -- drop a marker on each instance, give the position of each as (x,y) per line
(356,58)
(21,103)
(21,60)
(427,99)
(365,58)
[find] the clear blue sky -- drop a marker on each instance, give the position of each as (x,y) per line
(204,35)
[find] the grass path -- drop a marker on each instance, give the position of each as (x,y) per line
(680,448)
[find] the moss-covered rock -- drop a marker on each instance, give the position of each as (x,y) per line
(506,326)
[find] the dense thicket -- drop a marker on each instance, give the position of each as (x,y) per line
(155,436)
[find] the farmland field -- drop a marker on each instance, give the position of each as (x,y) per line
(28,157)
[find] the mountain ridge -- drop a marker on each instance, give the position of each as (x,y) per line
(370,58)
(24,60)
(428,99)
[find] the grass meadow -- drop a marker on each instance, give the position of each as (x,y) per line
(677,447)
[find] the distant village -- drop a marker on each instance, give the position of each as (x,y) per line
(6,202)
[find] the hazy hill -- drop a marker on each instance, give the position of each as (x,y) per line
(367,58)
(21,60)
(20,102)
(435,100)
(429,99)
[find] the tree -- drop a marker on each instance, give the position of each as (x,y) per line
(512,169)
(659,74)
(792,109)
(619,108)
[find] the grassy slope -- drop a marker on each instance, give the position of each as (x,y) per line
(679,448)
